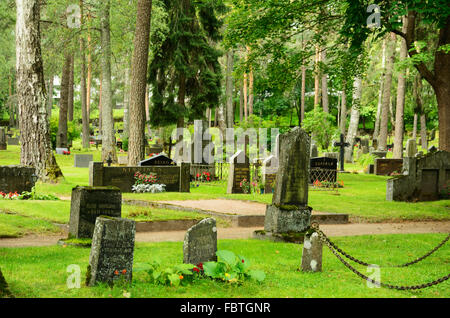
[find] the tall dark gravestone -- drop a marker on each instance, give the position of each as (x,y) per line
(112,250)
(200,243)
(289,212)
(87,203)
(323,169)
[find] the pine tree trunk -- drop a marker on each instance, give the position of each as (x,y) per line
(108,140)
(415,127)
(245,98)
(61,137)
(376,131)
(302,106)
(317,78)
(400,105)
(354,119)
(229,89)
(241,103)
(70,95)
(83,90)
(89,72)
(325,103)
(50,97)
(126,104)
(343,121)
(384,123)
(35,142)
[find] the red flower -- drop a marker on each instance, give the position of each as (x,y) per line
(196,270)
(124,272)
(198,175)
(207,178)
(242,261)
(200,265)
(116,272)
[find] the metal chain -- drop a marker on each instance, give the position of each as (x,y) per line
(315,226)
(326,241)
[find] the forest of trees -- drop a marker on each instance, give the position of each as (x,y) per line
(236,63)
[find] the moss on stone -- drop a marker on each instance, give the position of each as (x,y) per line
(293,237)
(287,207)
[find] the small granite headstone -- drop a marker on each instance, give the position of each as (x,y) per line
(312,254)
(411,148)
(13,141)
(60,151)
(200,242)
(82,160)
(3,145)
(239,170)
(112,250)
(17,178)
(314,151)
(385,167)
(87,203)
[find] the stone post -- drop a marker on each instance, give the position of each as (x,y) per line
(312,254)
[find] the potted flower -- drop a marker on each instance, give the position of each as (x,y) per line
(262,186)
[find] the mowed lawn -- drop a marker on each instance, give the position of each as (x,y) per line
(42,271)
(363,197)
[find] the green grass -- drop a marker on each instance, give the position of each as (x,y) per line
(42,272)
(16,225)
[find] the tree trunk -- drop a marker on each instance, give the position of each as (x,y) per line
(126,104)
(35,142)
(384,123)
(245,98)
(108,140)
(241,103)
(400,105)
(100,90)
(423,131)
(325,103)
(89,74)
(343,122)
(302,106)
(376,131)
(415,127)
(317,78)
(229,89)
(354,119)
(61,137)
(50,97)
(83,91)
(250,92)
(70,95)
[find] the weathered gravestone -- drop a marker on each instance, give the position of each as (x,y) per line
(200,243)
(312,254)
(314,151)
(17,178)
(87,203)
(289,215)
(269,173)
(122,160)
(3,145)
(4,288)
(111,257)
(323,169)
(82,160)
(385,167)
(411,148)
(13,141)
(239,170)
(379,154)
(424,178)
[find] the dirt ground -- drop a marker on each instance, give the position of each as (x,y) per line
(245,233)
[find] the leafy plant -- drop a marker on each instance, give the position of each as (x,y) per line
(181,274)
(245,185)
(232,268)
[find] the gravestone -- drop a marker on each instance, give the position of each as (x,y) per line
(13,141)
(289,213)
(87,203)
(323,169)
(122,160)
(342,144)
(200,243)
(17,178)
(269,173)
(111,257)
(334,155)
(379,154)
(385,167)
(4,288)
(3,145)
(411,148)
(82,160)
(364,143)
(155,149)
(314,151)
(426,178)
(312,254)
(239,170)
(158,160)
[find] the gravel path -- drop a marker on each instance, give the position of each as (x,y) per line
(245,233)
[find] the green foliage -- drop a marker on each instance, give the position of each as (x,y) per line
(320,124)
(73,130)
(33,195)
(232,268)
(181,274)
